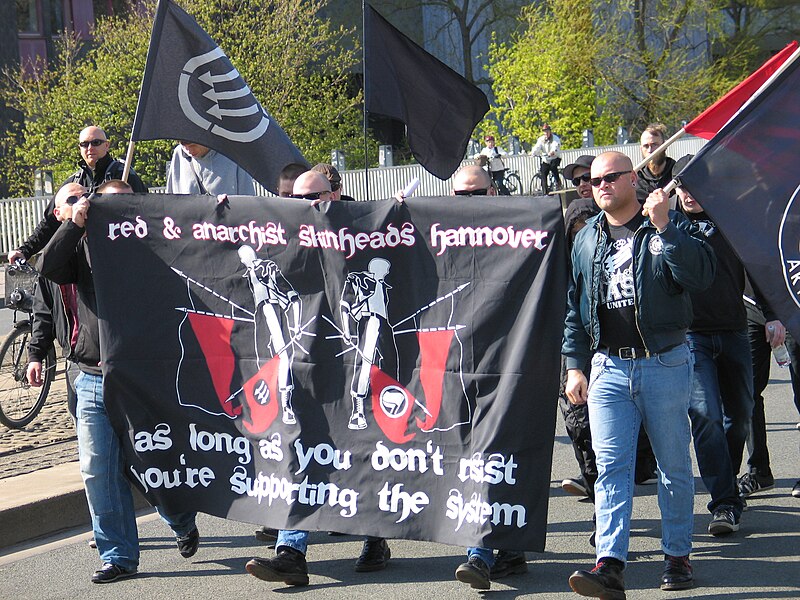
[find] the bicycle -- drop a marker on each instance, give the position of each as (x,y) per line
(553,183)
(512,181)
(20,402)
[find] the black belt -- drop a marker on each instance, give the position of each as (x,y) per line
(626,353)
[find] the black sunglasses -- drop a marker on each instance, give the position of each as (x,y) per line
(94,143)
(610,178)
(73,199)
(309,196)
(586,178)
(478,192)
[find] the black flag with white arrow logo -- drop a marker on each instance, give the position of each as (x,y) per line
(191,91)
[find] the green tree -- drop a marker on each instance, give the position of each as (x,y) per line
(290,58)
(547,73)
(602,63)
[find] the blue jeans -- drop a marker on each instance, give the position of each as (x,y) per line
(623,393)
(485,554)
(108,493)
(720,408)
(298,540)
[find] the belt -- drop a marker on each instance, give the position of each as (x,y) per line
(627,353)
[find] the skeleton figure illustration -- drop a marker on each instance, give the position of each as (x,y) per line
(277,301)
(364,304)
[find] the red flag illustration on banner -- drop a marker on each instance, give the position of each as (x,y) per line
(214,336)
(434,347)
(710,121)
(261,395)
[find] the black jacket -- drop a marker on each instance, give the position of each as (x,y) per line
(666,268)
(106,169)
(647,182)
(50,321)
(66,260)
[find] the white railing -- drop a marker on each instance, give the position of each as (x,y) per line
(18,217)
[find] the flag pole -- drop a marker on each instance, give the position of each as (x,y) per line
(364,93)
(128,160)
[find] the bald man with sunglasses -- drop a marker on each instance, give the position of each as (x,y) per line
(628,310)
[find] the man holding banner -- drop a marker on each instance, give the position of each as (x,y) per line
(628,308)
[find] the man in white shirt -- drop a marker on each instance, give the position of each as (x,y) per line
(495,164)
(196,169)
(549,147)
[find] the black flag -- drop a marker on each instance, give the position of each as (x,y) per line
(191,91)
(439,107)
(747,180)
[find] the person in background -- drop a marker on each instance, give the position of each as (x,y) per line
(196,169)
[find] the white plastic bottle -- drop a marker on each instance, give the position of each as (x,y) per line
(781,353)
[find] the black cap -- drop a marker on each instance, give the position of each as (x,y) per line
(584,161)
(682,162)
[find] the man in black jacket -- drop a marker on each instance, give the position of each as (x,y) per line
(66,260)
(96,167)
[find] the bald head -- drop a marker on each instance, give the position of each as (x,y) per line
(93,145)
(471,178)
(618,197)
(63,208)
(312,182)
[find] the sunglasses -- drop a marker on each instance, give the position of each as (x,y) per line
(94,143)
(478,192)
(610,178)
(73,199)
(309,196)
(585,178)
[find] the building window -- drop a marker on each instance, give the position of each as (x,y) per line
(27,16)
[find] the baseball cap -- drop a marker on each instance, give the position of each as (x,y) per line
(488,137)
(584,161)
(545,127)
(682,162)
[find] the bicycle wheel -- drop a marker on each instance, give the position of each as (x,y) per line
(19,402)
(514,184)
(536,186)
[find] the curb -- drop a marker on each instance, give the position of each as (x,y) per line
(44,503)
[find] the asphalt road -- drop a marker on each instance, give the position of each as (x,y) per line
(760,561)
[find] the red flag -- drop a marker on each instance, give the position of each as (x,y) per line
(710,121)
(262,396)
(214,336)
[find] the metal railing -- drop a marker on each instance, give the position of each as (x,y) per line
(19,216)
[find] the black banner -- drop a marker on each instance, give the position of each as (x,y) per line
(191,91)
(370,367)
(746,180)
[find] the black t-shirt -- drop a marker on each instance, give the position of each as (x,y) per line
(616,311)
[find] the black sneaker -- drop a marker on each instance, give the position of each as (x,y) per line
(604,581)
(187,544)
(508,563)
(796,490)
(574,486)
(475,572)
(110,572)
(266,534)
(723,521)
(375,556)
(288,566)
(677,573)
(753,483)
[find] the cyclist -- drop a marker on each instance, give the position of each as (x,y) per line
(497,168)
(548,146)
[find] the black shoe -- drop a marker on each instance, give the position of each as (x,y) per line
(375,556)
(677,573)
(604,581)
(266,534)
(508,563)
(574,486)
(723,522)
(753,483)
(475,572)
(187,544)
(796,490)
(110,572)
(288,566)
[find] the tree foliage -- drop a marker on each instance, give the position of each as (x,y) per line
(600,64)
(292,60)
